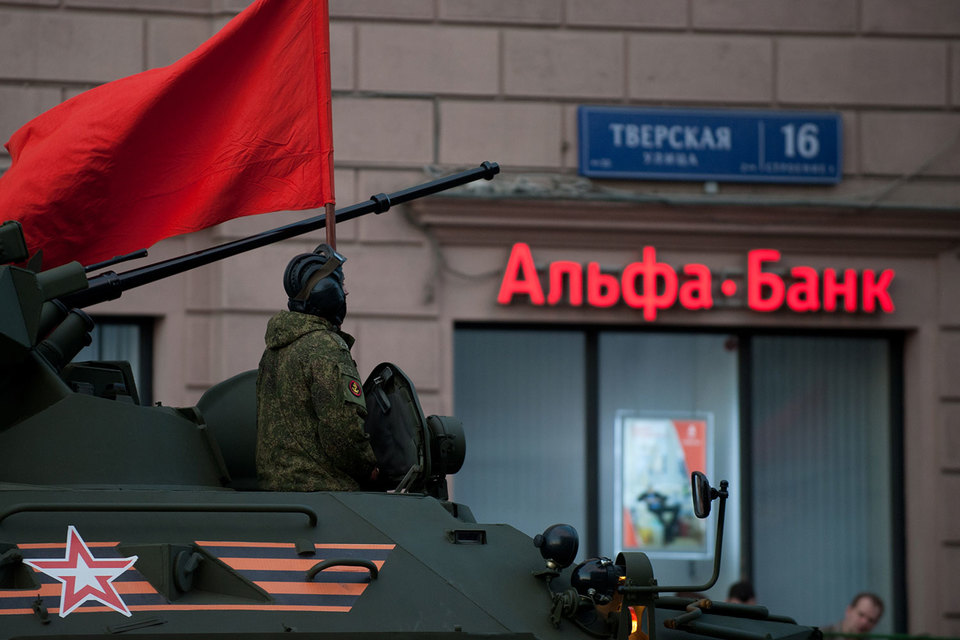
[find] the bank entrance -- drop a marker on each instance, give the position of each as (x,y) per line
(599,427)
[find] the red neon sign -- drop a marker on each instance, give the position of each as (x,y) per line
(652,286)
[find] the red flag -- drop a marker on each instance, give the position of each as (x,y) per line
(240,126)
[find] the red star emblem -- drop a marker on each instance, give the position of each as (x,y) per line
(83,576)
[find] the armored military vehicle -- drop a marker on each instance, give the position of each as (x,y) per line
(118,518)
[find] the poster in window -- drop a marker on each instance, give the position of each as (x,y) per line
(655,456)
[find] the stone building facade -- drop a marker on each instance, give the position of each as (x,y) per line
(426,87)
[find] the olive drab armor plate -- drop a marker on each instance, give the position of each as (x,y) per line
(396,425)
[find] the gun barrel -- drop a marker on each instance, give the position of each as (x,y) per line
(110,285)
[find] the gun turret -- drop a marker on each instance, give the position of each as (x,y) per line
(41,324)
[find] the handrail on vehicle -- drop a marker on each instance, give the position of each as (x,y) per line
(162,508)
(342,562)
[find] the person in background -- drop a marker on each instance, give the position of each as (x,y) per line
(861,616)
(742,593)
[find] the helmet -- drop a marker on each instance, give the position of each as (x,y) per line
(314,284)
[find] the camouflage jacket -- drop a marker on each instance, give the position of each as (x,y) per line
(310,409)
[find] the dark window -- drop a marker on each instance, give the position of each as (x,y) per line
(129,339)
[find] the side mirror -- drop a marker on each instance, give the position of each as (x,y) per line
(703,494)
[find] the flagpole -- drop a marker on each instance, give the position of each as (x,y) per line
(331,213)
(330,209)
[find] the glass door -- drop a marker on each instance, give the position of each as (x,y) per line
(520,395)
(821,474)
(668,384)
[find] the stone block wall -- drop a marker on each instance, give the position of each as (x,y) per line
(446,84)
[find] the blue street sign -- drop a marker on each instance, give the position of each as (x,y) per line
(729,145)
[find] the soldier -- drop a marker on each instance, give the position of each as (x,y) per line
(310,402)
